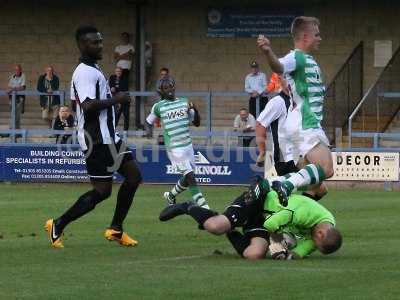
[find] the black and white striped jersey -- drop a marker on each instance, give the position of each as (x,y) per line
(274,116)
(94,128)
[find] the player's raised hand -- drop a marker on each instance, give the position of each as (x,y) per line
(122,98)
(263,43)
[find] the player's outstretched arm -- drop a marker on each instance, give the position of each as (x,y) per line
(265,46)
(91,105)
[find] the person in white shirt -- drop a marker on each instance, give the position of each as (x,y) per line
(17,83)
(255,84)
(244,123)
(123,55)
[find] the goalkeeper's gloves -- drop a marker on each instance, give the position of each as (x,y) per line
(279,250)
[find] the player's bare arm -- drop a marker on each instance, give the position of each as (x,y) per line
(261,137)
(265,46)
(96,105)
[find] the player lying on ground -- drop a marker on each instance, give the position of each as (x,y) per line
(275,117)
(303,130)
(175,115)
(303,217)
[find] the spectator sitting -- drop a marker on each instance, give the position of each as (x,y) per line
(123,55)
(17,83)
(64,121)
(48,83)
(255,84)
(245,123)
(117,84)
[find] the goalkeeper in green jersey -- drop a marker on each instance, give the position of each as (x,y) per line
(175,115)
(311,223)
(259,214)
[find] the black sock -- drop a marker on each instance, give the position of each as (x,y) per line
(314,197)
(82,206)
(200,214)
(238,241)
(124,201)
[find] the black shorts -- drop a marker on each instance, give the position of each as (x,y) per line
(104,160)
(251,220)
(283,168)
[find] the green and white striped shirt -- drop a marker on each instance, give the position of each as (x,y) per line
(175,118)
(305,78)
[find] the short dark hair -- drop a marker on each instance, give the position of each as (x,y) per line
(126,34)
(332,241)
(84,29)
(301,23)
(164,69)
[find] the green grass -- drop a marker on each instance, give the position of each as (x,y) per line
(175,260)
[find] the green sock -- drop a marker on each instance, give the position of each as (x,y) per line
(310,174)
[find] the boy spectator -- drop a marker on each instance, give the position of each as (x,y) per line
(64,121)
(255,84)
(244,123)
(48,83)
(123,55)
(17,83)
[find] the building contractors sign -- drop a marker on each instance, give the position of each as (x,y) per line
(60,163)
(232,23)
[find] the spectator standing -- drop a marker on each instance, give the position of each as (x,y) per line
(255,84)
(17,83)
(244,123)
(148,59)
(117,84)
(123,55)
(64,121)
(48,83)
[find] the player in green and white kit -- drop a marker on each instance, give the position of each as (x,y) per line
(312,223)
(303,136)
(175,115)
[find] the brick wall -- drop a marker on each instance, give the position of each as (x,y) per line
(38,33)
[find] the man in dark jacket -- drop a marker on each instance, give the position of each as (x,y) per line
(48,83)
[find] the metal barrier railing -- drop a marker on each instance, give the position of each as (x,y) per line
(343,93)
(205,97)
(380,104)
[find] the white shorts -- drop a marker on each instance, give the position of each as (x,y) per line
(301,142)
(182,159)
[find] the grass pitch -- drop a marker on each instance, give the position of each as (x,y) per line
(175,260)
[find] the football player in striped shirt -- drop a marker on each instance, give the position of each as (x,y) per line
(303,132)
(105,152)
(175,115)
